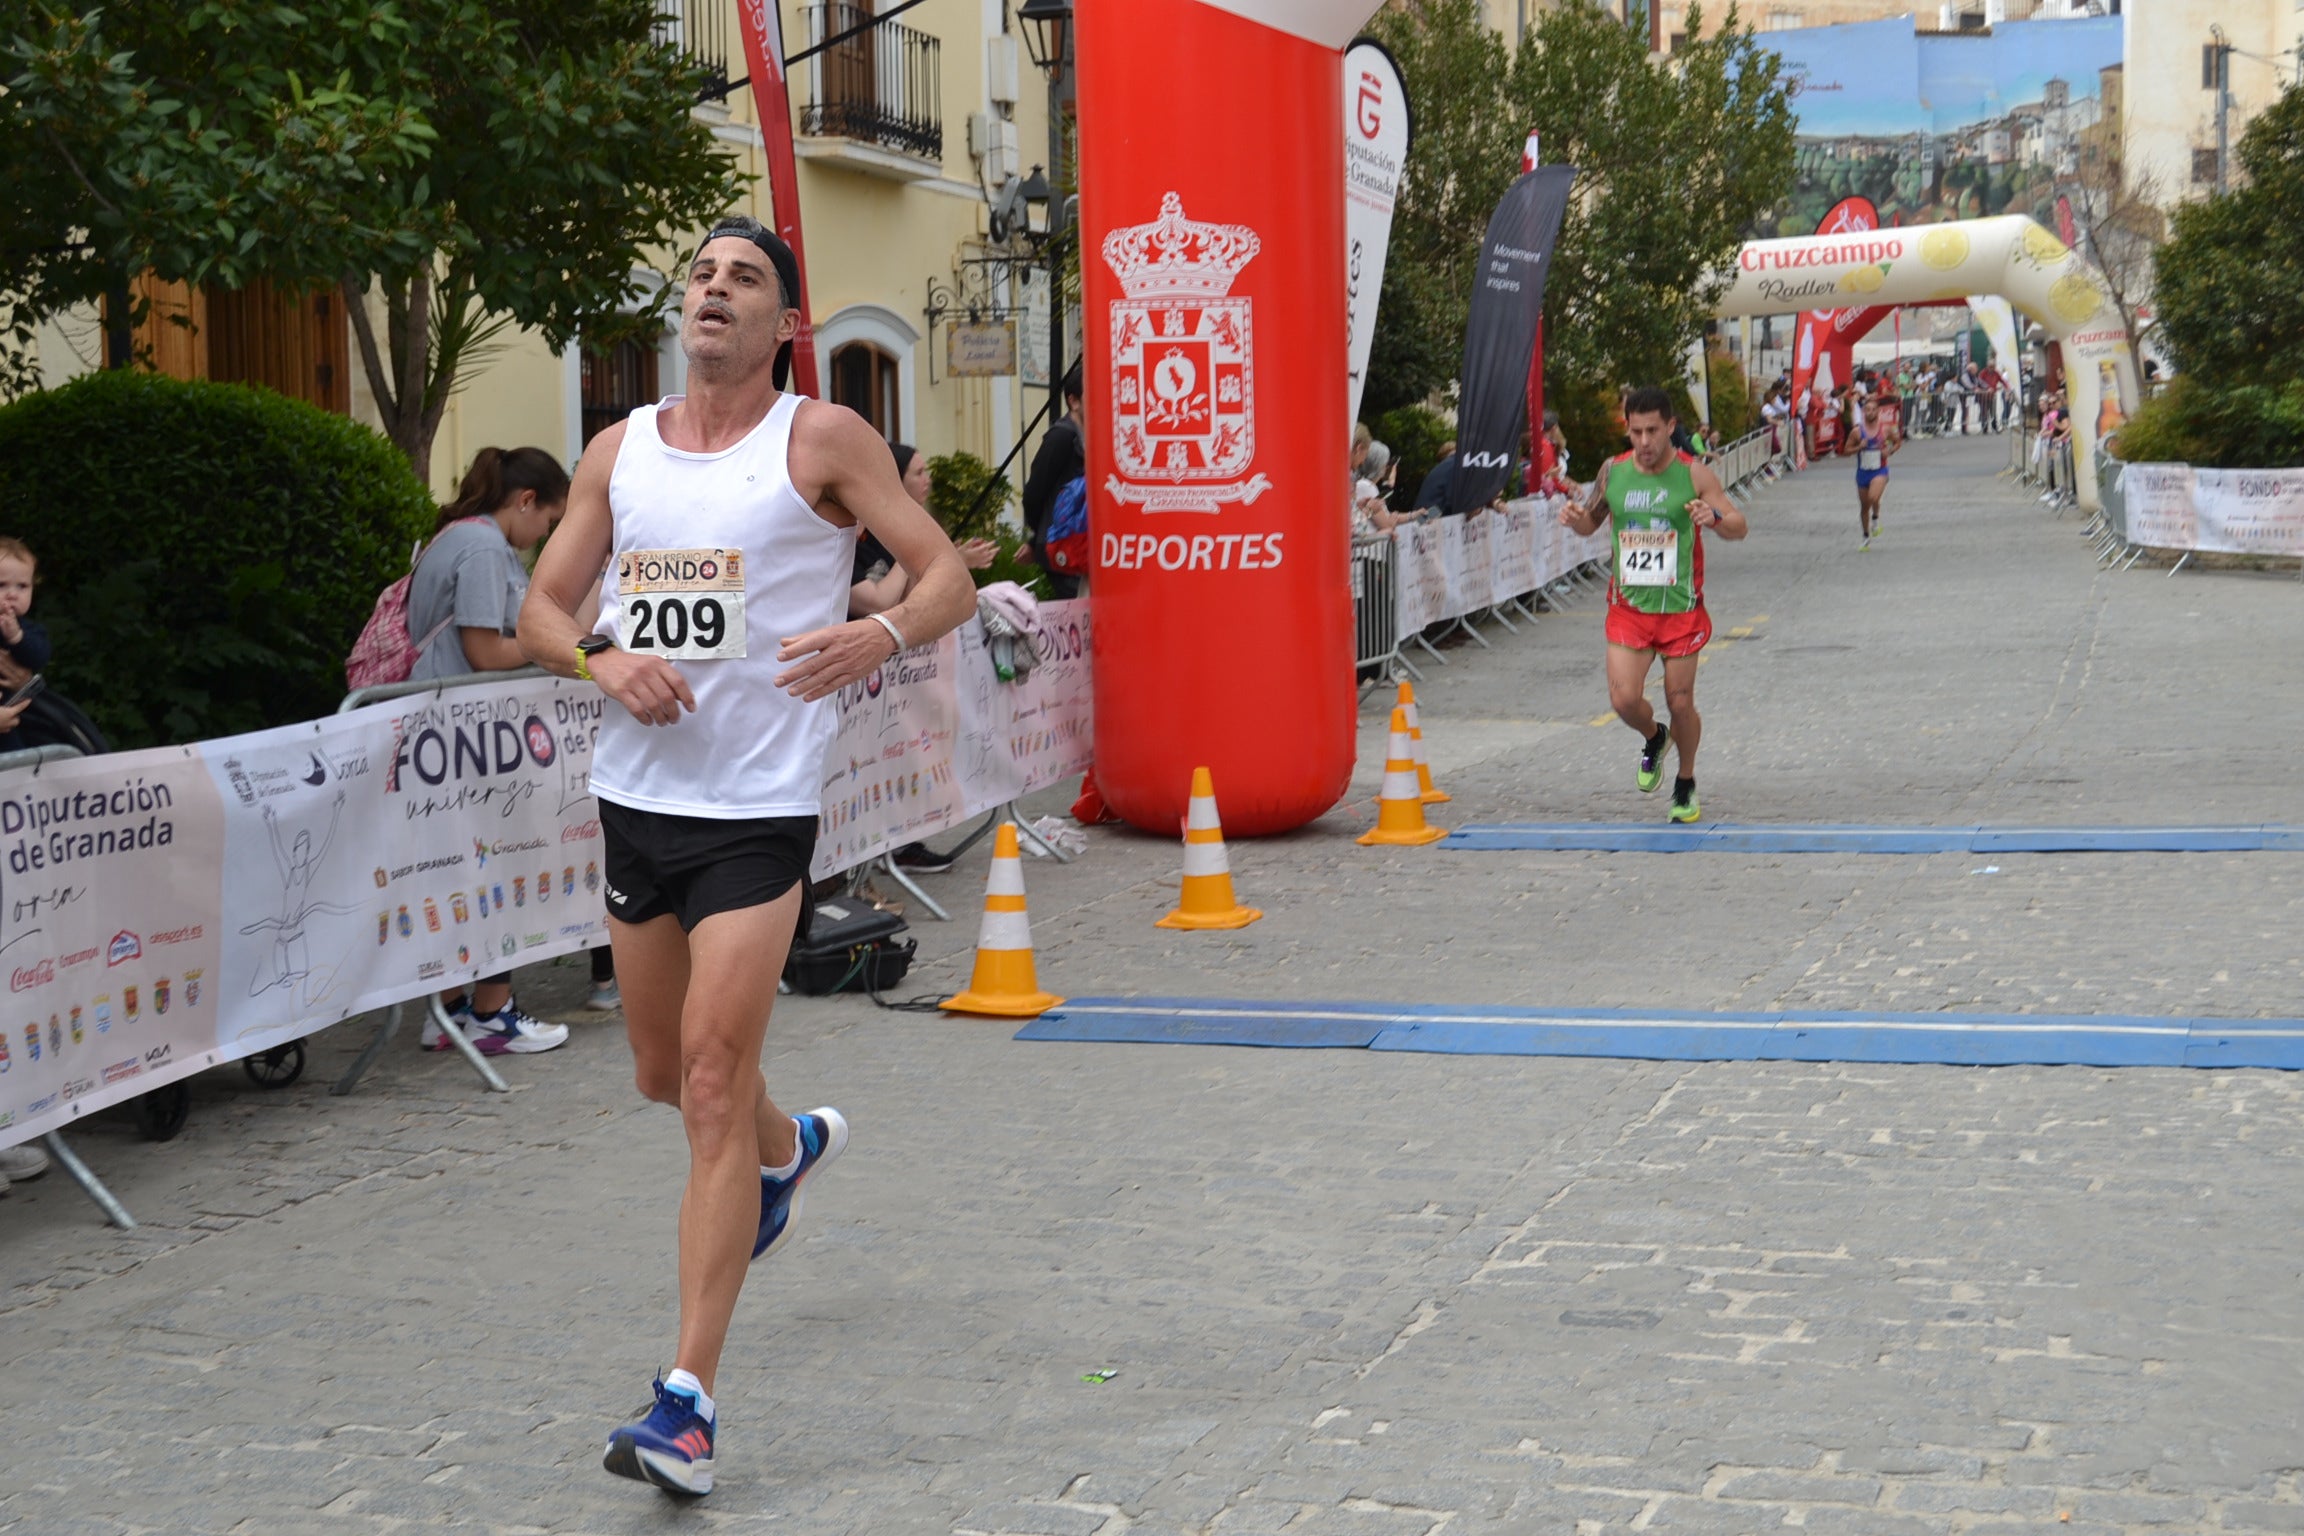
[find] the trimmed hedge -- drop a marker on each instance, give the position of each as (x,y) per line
(2236,426)
(208,552)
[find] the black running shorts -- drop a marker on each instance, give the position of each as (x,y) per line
(694,866)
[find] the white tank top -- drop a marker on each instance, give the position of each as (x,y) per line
(750,749)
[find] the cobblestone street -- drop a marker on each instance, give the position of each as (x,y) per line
(1344,1293)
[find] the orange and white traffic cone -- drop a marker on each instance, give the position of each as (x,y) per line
(1429,794)
(1207,901)
(1400,807)
(1004,986)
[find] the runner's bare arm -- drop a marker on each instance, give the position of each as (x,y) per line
(1587,516)
(566,574)
(838,459)
(1727,520)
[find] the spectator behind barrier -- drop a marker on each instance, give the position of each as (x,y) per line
(1432,495)
(46,718)
(1375,471)
(880,583)
(1061,458)
(472,573)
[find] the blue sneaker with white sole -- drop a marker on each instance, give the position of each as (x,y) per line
(823,1137)
(671,1447)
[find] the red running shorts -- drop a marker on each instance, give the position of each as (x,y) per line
(1667,634)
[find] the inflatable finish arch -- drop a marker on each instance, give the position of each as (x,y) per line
(1917,264)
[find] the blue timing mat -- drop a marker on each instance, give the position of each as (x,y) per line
(1729,837)
(1948,1039)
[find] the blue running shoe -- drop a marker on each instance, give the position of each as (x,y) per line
(671,1447)
(823,1137)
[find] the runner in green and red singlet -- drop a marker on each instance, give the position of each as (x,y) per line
(1656,503)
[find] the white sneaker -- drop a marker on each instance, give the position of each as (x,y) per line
(509,1032)
(605,998)
(18,1164)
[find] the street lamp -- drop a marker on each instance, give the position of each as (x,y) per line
(1044,23)
(1034,193)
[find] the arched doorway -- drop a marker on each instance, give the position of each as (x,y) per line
(2010,256)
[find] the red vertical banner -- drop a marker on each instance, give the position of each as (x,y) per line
(1214,311)
(772,96)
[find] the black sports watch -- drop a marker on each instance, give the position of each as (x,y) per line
(589,647)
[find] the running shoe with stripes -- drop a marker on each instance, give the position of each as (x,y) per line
(671,1446)
(823,1137)
(1651,770)
(506,1032)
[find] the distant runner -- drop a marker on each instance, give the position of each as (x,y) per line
(1655,502)
(1872,443)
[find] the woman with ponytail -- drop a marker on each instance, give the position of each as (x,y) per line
(465,594)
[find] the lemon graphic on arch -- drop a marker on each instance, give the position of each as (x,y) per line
(1865,279)
(1944,249)
(2042,246)
(2074,298)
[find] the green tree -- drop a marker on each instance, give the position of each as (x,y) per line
(217,141)
(1674,160)
(2229,284)
(1467,152)
(567,154)
(472,164)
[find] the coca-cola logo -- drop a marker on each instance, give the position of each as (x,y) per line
(25,977)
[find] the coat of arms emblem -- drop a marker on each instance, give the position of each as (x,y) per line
(1183,367)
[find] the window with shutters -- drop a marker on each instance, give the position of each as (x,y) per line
(618,382)
(865,380)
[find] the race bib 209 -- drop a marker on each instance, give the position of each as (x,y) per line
(681,604)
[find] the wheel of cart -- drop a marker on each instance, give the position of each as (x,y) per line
(277,1067)
(161,1113)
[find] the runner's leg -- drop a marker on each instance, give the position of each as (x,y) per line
(1628,688)
(735,960)
(1680,699)
(652,968)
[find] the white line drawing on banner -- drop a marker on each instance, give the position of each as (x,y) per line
(299,865)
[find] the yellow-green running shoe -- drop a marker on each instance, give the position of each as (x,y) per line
(1651,770)
(1686,809)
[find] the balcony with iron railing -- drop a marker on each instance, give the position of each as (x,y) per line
(700,29)
(874,100)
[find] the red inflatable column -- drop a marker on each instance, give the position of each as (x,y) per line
(1212,258)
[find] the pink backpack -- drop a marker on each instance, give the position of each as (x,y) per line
(385,653)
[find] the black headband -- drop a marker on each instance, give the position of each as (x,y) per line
(780,257)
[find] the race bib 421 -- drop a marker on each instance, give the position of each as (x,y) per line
(682,604)
(1648,557)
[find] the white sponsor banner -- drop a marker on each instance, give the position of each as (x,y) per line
(1377,124)
(1457,565)
(162,912)
(2224,511)
(407,846)
(945,739)
(2250,511)
(2158,500)
(108,929)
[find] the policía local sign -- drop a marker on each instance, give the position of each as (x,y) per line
(980,349)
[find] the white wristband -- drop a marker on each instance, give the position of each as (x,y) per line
(894,633)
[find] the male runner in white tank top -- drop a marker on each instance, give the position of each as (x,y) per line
(730,515)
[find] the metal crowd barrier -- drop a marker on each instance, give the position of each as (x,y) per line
(1376,611)
(82,1175)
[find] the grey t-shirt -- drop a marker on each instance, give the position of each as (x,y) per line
(472,577)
